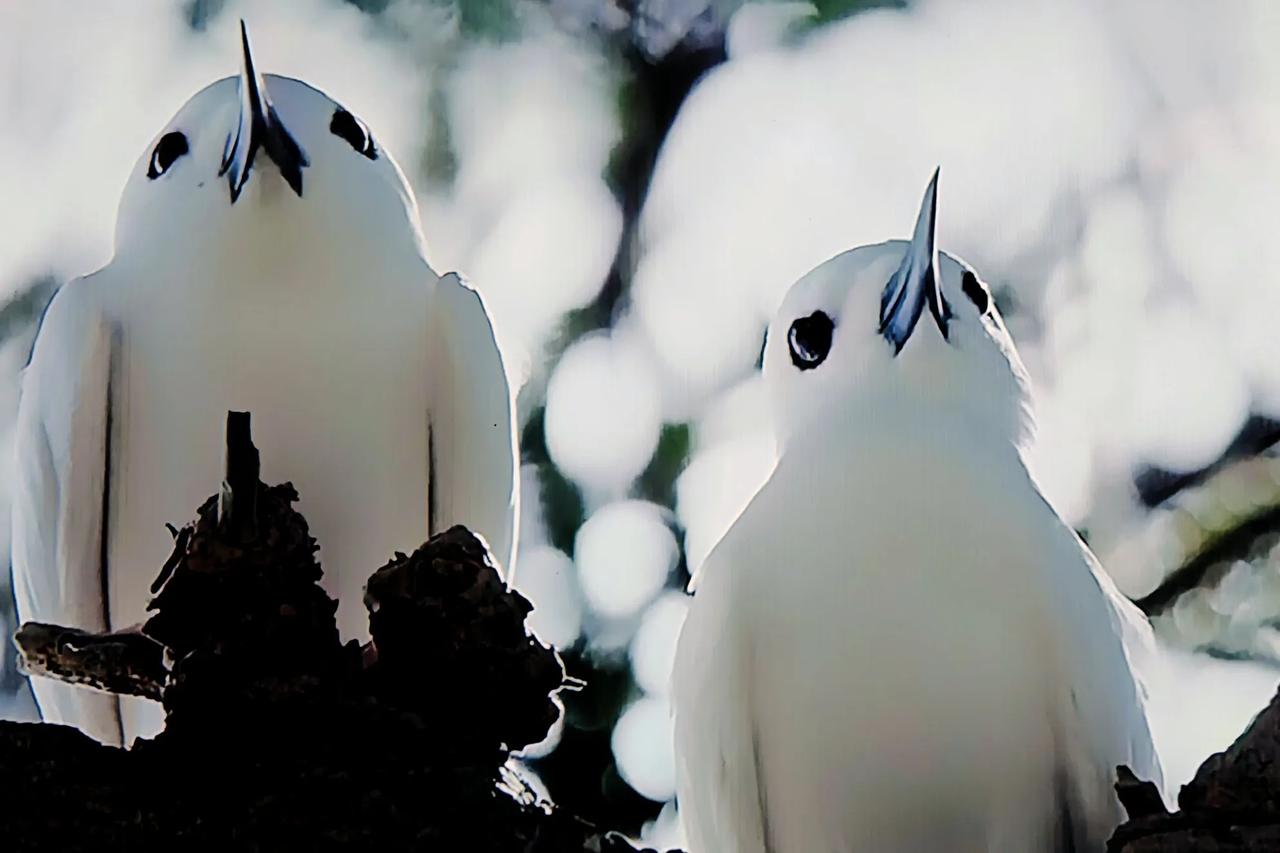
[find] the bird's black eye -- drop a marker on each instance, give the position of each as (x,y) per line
(976,292)
(810,340)
(350,128)
(170,147)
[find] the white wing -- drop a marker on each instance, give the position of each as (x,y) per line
(474,463)
(718,784)
(59,493)
(1140,647)
(1105,724)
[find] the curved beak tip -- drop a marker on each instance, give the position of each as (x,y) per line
(917,281)
(259,127)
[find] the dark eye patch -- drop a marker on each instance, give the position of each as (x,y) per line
(170,147)
(346,126)
(976,292)
(809,340)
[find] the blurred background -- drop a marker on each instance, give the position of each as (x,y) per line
(633,184)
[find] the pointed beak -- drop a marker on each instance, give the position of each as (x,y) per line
(259,128)
(916,282)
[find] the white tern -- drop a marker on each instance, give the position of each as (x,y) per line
(268,258)
(899,645)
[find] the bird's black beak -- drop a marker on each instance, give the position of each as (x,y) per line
(259,127)
(916,281)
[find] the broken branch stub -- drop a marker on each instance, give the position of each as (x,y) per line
(238,501)
(124,662)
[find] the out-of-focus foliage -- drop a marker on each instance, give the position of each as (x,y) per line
(18,318)
(20,312)
(832,10)
(1214,549)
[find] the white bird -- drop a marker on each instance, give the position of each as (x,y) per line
(268,258)
(899,645)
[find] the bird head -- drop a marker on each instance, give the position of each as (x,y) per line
(895,324)
(254,164)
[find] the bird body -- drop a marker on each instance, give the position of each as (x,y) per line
(376,386)
(899,645)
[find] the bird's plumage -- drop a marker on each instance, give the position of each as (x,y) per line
(848,680)
(899,645)
(472,428)
(376,386)
(59,485)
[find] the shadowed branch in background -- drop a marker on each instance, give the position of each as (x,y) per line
(274,726)
(1213,584)
(1230,545)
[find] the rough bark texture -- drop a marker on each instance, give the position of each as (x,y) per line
(125,662)
(277,736)
(1231,806)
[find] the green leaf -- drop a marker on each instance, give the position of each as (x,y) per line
(562,508)
(834,10)
(494,20)
(658,482)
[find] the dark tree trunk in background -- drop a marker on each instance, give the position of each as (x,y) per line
(582,770)
(653,95)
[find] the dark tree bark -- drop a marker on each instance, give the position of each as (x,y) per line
(1232,805)
(126,662)
(277,736)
